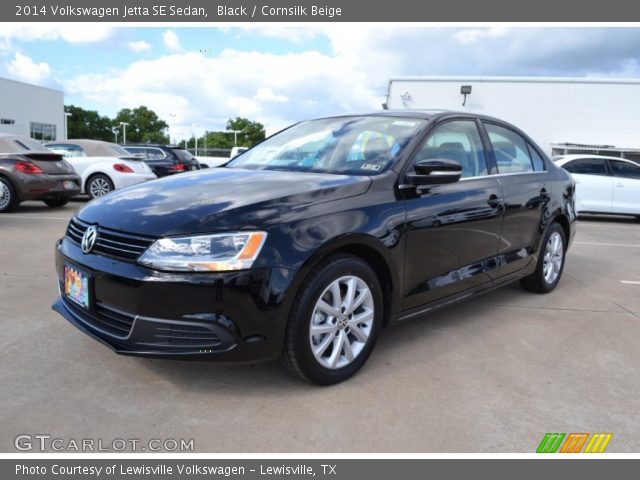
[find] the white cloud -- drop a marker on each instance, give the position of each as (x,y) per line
(139,46)
(24,68)
(72,33)
(171,41)
(467,37)
(351,74)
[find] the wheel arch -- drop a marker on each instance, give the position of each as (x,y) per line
(368,249)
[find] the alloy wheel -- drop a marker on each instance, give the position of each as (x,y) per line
(99,187)
(553,257)
(5,196)
(341,322)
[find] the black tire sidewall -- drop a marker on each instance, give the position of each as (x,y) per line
(310,367)
(95,176)
(13,198)
(554,227)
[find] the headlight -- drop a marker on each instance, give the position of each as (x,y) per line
(205,253)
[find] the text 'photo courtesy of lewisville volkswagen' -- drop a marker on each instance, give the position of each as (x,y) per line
(306,245)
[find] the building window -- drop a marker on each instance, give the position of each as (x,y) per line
(7,121)
(43,131)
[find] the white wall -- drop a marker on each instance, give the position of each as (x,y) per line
(587,111)
(27,103)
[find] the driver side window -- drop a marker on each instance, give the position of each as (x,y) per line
(457,140)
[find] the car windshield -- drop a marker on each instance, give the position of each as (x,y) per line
(346,145)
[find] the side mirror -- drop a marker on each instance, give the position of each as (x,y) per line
(435,171)
(203,165)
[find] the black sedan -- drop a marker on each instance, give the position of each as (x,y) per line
(165,159)
(30,171)
(307,244)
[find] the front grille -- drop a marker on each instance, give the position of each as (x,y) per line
(103,318)
(124,246)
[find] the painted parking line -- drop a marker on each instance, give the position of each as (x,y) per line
(630,282)
(597,244)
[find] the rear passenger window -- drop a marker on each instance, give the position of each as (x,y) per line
(457,140)
(587,166)
(538,162)
(510,150)
(625,170)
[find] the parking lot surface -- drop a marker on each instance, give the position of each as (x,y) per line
(494,373)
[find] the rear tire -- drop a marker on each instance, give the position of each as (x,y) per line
(98,185)
(550,264)
(8,197)
(334,322)
(56,202)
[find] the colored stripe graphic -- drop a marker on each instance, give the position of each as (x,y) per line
(550,442)
(574,443)
(598,442)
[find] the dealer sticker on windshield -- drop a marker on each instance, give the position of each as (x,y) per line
(76,286)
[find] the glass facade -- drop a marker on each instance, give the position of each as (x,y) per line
(43,131)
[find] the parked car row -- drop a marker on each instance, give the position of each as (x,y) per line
(59,170)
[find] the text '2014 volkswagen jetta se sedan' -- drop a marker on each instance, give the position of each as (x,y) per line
(304,246)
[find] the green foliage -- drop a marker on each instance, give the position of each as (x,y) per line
(88,124)
(144,125)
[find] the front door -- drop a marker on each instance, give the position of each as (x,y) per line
(453,229)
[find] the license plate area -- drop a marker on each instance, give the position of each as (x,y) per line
(77,286)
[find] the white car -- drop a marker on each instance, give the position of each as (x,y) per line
(604,184)
(103,166)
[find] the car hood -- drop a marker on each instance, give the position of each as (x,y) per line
(216,199)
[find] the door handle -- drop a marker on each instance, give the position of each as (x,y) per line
(619,184)
(494,201)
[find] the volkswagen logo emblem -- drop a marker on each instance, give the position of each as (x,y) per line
(89,239)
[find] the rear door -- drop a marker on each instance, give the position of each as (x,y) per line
(453,229)
(594,184)
(626,187)
(522,172)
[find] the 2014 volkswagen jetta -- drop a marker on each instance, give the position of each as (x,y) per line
(306,245)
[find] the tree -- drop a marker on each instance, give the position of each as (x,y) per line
(144,125)
(88,124)
(249,133)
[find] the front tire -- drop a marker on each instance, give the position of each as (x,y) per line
(56,202)
(99,185)
(8,197)
(334,322)
(550,262)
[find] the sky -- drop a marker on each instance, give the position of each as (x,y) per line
(196,78)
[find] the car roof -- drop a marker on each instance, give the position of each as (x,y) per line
(95,148)
(153,145)
(562,159)
(425,114)
(10,143)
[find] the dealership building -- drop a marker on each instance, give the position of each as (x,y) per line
(563,115)
(31,110)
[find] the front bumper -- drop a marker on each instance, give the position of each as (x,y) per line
(43,186)
(227,317)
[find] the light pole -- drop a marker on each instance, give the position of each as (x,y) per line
(172,116)
(195,129)
(115,132)
(66,116)
(124,132)
(235,137)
